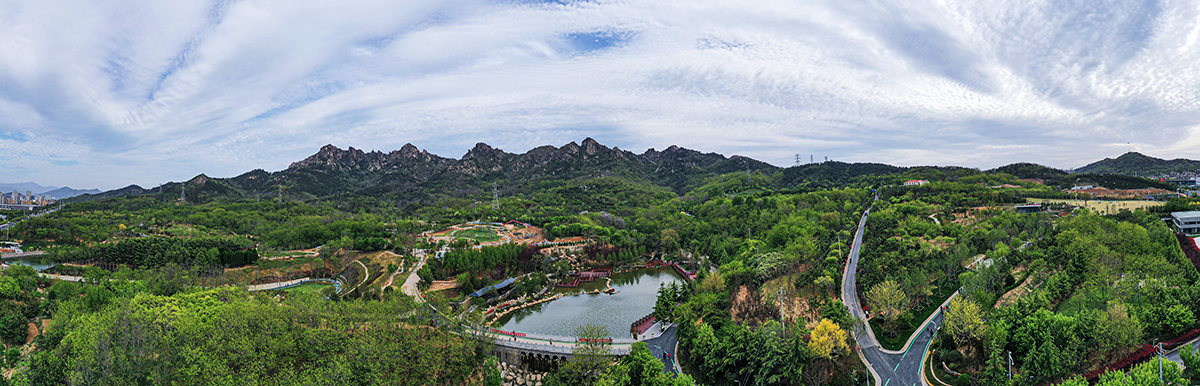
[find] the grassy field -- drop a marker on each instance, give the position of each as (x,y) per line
(309,288)
(1101,206)
(481,234)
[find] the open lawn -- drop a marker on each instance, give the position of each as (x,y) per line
(1101,206)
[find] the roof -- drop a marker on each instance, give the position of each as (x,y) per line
(1029,206)
(1188,214)
(499,285)
(915,181)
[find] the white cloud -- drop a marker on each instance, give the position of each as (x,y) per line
(104,95)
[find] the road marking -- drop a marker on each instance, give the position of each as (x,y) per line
(886,383)
(897,368)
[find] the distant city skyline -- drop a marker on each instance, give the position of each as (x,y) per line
(107,95)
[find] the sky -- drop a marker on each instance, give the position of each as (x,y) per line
(103,94)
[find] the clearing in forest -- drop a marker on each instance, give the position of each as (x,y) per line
(1100,206)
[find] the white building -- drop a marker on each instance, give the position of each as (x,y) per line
(915,182)
(1187,222)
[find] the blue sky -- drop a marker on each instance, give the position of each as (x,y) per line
(106,94)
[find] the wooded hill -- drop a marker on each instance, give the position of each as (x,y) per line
(1138,164)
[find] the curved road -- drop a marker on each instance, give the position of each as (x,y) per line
(900,367)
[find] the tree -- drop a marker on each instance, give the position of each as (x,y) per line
(9,288)
(828,339)
(665,302)
(492,372)
(1178,318)
(640,367)
(887,300)
(964,321)
(714,282)
(1191,360)
(669,239)
(1145,374)
(1117,330)
(14,328)
(1045,361)
(589,356)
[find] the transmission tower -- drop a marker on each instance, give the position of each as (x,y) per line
(797,159)
(182,189)
(495,198)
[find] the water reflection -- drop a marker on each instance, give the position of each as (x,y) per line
(638,290)
(37,265)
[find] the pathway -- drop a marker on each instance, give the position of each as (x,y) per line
(410,285)
(276,285)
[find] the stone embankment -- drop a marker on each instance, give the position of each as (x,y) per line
(515,376)
(501,314)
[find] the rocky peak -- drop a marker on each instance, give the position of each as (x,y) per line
(199,180)
(333,158)
(483,151)
(591,147)
(409,151)
(570,148)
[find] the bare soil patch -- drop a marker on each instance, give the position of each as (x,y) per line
(442,285)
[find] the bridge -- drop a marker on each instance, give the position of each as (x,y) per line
(546,352)
(543,352)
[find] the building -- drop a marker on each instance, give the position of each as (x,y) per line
(915,182)
(1084,187)
(1030,208)
(1183,182)
(1187,222)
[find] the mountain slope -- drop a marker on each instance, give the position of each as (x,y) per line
(64,192)
(410,175)
(23,187)
(1137,164)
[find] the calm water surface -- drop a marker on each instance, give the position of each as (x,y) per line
(36,264)
(638,290)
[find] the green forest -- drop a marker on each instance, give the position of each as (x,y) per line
(163,294)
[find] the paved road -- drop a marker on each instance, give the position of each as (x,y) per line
(664,343)
(35,215)
(1174,354)
(900,367)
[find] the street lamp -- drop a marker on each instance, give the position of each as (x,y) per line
(1010,363)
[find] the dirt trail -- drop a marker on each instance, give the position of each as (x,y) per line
(410,284)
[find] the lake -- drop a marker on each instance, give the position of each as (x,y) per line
(637,292)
